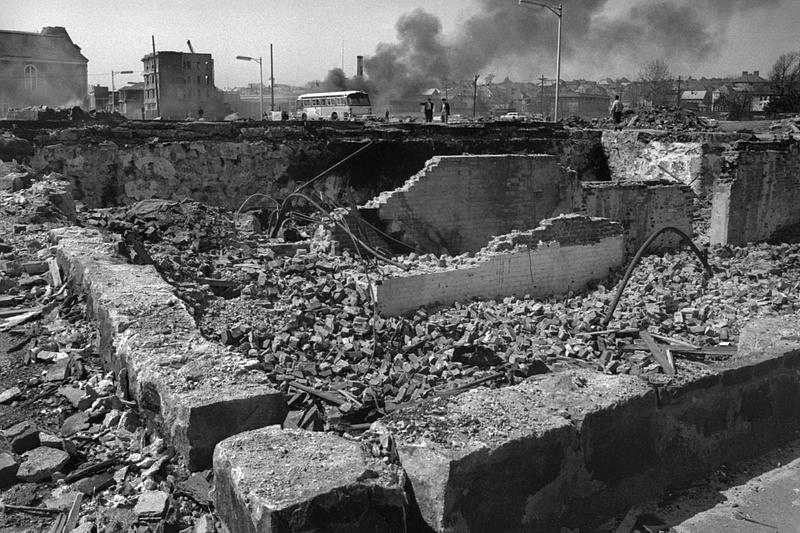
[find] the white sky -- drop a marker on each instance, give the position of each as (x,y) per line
(308,35)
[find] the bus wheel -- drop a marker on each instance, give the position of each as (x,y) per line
(334,116)
(303,117)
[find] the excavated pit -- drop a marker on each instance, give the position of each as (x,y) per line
(602,429)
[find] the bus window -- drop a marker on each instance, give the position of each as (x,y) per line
(358,99)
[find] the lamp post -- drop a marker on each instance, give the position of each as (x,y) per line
(557,11)
(113,102)
(261,78)
(260,85)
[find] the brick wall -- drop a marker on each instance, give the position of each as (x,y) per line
(591,249)
(457,204)
(758,192)
(643,208)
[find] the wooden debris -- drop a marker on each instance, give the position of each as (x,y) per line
(659,354)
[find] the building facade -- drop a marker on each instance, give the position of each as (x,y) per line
(38,69)
(180,85)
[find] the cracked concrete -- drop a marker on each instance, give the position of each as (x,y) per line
(198,393)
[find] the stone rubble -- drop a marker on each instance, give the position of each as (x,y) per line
(304,318)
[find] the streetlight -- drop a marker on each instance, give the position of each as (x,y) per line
(557,11)
(113,102)
(260,85)
(261,77)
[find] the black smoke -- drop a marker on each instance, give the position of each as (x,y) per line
(601,37)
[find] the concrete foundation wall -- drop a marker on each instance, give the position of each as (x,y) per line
(758,193)
(643,208)
(573,449)
(645,155)
(456,204)
(531,263)
(224,163)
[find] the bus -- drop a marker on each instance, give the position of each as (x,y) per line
(344,105)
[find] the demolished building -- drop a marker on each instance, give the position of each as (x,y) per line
(467,379)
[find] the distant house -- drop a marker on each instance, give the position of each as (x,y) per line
(44,68)
(99,98)
(696,100)
(178,85)
(131,100)
(757,89)
(574,103)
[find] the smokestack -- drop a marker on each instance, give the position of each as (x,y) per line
(360,66)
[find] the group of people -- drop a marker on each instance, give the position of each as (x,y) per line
(428,108)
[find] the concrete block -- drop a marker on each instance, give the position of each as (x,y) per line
(198,393)
(274,480)
(22,437)
(572,449)
(8,470)
(41,463)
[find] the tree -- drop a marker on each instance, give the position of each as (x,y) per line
(656,80)
(785,80)
(736,103)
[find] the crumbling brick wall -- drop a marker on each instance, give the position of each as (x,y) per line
(643,208)
(532,262)
(456,204)
(758,192)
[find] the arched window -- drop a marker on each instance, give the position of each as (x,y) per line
(31,77)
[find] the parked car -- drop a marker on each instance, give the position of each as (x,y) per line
(512,116)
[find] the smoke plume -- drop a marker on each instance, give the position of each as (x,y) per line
(601,38)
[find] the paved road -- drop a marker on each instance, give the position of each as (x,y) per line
(757,496)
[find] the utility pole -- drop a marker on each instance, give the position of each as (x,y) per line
(679,92)
(155,75)
(271,82)
(475,94)
(541,98)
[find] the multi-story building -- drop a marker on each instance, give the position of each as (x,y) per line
(179,85)
(44,68)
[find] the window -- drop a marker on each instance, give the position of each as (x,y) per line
(31,77)
(198,79)
(208,79)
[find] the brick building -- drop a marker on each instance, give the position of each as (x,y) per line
(44,68)
(184,83)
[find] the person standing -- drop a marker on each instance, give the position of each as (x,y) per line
(616,112)
(445,111)
(427,107)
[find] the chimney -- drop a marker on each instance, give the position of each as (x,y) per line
(360,66)
(755,73)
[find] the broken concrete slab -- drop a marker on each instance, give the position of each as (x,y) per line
(198,392)
(152,504)
(572,448)
(41,463)
(8,470)
(22,437)
(271,480)
(9,395)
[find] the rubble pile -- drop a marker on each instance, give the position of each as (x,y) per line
(672,119)
(306,318)
(75,454)
(786,127)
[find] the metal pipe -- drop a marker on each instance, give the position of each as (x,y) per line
(700,255)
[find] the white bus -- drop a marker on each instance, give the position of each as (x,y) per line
(344,105)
